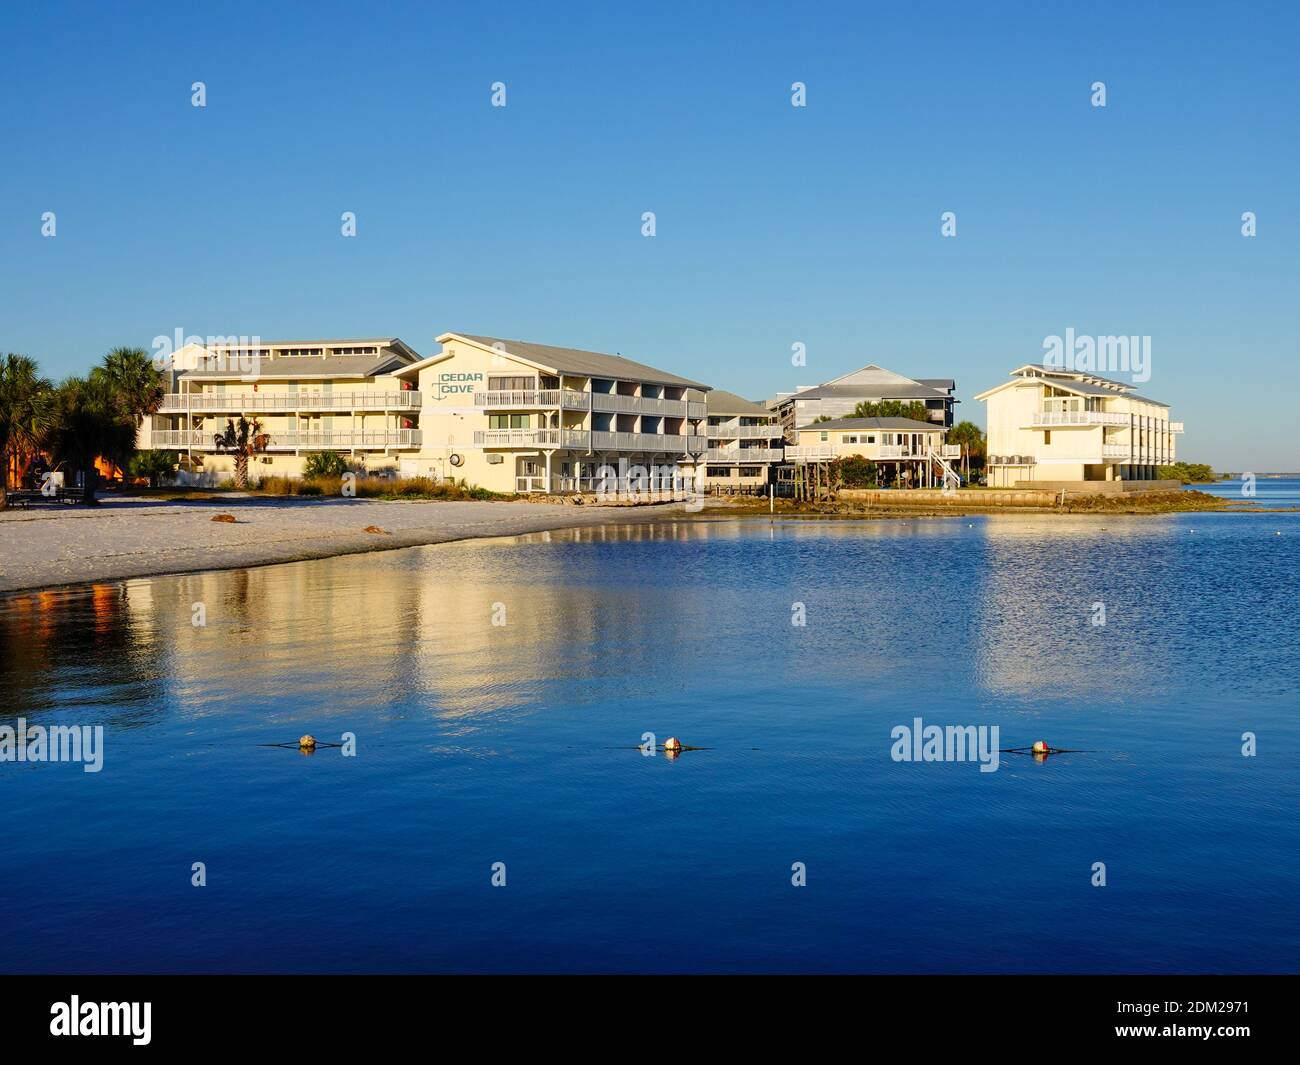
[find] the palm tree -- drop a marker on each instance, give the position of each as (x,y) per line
(138,385)
(971,437)
(27,415)
(245,438)
(91,424)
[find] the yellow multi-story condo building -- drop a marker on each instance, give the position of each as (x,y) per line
(513,416)
(309,395)
(745,441)
(1059,425)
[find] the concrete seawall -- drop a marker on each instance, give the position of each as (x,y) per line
(963,497)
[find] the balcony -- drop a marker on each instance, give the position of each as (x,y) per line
(810,452)
(1115,451)
(743,432)
(581,440)
(1175,427)
(570,438)
(871,452)
(330,440)
(742,455)
(613,441)
(265,402)
(605,402)
(1048,419)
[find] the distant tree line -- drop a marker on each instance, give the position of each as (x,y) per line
(1189,473)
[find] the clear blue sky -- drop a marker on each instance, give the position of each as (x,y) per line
(775,224)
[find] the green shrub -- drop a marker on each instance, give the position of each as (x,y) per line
(154,465)
(323,464)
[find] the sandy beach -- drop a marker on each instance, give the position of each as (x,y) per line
(138,537)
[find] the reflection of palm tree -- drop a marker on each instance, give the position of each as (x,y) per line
(245,438)
(28,415)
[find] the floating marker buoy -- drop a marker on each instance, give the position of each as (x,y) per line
(307,743)
(1040,747)
(672,743)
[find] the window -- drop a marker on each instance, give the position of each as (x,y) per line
(511,384)
(1047,436)
(871,440)
(750,471)
(508,421)
(825,435)
(719,471)
(850,439)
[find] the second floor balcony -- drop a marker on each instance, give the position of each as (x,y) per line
(269,402)
(742,455)
(582,440)
(743,432)
(691,407)
(1048,419)
(293,440)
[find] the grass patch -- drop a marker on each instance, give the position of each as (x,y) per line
(411,488)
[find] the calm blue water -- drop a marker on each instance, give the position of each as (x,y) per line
(480,744)
(1268,491)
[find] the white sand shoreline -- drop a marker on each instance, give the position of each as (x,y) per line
(49,547)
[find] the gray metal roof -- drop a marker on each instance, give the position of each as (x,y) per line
(309,366)
(1066,371)
(906,424)
(586,363)
(914,391)
(721,402)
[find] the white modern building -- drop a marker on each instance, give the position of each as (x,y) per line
(1057,425)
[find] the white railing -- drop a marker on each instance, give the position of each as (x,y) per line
(822,452)
(1078,417)
(1175,427)
(611,403)
(327,440)
(530,438)
(529,397)
(181,402)
(810,451)
(1115,451)
(899,451)
(583,440)
(616,441)
(744,454)
(743,432)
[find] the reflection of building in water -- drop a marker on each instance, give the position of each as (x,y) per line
(1041,580)
(51,641)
